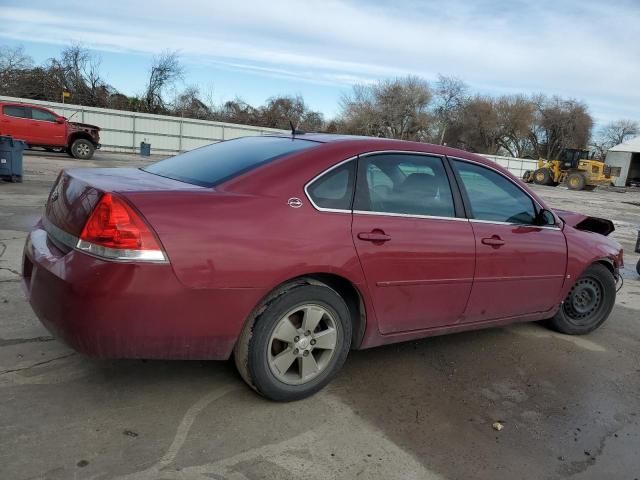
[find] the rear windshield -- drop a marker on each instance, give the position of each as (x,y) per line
(211,165)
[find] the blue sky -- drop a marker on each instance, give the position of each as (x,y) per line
(319,49)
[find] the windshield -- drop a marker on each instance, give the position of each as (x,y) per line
(211,165)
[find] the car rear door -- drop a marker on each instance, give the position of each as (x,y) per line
(520,266)
(47,130)
(16,120)
(416,251)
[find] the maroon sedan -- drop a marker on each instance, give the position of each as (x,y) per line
(287,252)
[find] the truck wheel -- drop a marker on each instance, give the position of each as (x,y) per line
(82,149)
(296,345)
(588,303)
(527,177)
(576,181)
(638,267)
(542,176)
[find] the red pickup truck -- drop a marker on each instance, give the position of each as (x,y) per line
(41,127)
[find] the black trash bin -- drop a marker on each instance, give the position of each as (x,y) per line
(145,149)
(11,158)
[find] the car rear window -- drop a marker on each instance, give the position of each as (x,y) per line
(211,165)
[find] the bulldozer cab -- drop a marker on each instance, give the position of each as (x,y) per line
(570,157)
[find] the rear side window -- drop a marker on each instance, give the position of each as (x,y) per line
(493,197)
(14,111)
(334,189)
(37,114)
(211,165)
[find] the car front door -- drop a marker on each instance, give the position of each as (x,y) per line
(520,265)
(416,249)
(47,129)
(16,122)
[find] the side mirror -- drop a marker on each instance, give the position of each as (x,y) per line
(545,218)
(60,120)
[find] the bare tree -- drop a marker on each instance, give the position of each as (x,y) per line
(515,116)
(389,108)
(613,134)
(450,97)
(559,124)
(165,70)
(14,58)
(188,104)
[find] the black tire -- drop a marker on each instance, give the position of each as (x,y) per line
(588,303)
(638,267)
(576,181)
(527,176)
(589,188)
(253,350)
(543,176)
(82,149)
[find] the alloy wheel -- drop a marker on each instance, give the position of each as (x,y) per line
(302,344)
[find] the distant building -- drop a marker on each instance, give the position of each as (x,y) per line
(627,156)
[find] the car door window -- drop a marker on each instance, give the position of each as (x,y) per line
(334,189)
(13,111)
(37,114)
(404,184)
(493,197)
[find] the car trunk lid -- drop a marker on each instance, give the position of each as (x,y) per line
(77,191)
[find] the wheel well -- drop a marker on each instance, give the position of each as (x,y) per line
(75,136)
(609,265)
(340,285)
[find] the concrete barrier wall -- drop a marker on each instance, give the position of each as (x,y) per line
(123,131)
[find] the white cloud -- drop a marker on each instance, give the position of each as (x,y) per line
(575,48)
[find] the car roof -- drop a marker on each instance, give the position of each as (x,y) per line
(379,143)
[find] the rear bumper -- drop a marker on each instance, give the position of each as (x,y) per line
(125,310)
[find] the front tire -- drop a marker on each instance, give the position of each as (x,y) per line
(588,303)
(576,181)
(82,149)
(543,176)
(297,344)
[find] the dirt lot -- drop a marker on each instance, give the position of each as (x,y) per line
(421,410)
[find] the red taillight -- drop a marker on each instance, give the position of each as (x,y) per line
(115,230)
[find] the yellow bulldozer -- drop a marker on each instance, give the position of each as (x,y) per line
(576,168)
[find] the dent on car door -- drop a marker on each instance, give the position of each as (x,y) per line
(416,253)
(520,265)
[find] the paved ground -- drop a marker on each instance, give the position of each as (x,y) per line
(420,410)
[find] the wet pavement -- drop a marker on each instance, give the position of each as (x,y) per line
(570,406)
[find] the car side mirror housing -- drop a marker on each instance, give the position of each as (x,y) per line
(60,120)
(545,218)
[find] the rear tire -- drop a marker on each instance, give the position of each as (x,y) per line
(576,181)
(543,176)
(296,345)
(527,176)
(588,303)
(82,149)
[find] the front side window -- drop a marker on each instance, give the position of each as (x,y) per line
(403,184)
(14,111)
(493,197)
(37,114)
(334,189)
